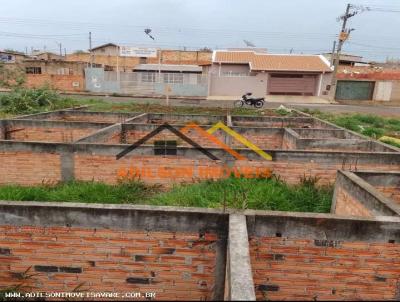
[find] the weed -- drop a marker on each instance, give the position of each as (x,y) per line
(233,192)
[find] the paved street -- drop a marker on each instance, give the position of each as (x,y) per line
(332,108)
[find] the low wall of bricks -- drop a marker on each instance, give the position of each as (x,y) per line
(92,161)
(175,255)
(181,254)
(354,196)
(88,146)
(304,258)
(387,183)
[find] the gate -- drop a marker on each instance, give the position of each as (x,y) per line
(354,90)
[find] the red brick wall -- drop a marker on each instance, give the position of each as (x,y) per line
(46,134)
(88,118)
(304,269)
(348,205)
(175,266)
(391,192)
(263,141)
(105,168)
(288,143)
(134,135)
(274,124)
(59,82)
(29,168)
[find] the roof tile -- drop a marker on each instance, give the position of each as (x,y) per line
(272,62)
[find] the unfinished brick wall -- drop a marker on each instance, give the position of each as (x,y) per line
(305,269)
(391,192)
(105,118)
(131,136)
(27,168)
(174,265)
(161,169)
(59,82)
(346,204)
(261,140)
(47,134)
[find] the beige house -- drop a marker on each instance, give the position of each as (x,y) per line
(233,73)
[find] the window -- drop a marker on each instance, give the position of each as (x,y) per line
(7,58)
(142,60)
(108,68)
(173,78)
(33,70)
(64,71)
(165,148)
(148,77)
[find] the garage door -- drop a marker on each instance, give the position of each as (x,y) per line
(354,90)
(292,84)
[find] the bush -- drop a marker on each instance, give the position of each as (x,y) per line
(24,100)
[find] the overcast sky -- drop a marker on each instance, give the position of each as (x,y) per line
(281,26)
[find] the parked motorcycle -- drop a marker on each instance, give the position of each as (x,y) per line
(247,100)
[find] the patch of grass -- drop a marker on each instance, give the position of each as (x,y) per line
(132,106)
(367,124)
(22,101)
(259,193)
(89,192)
(233,192)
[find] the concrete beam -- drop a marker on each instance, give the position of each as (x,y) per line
(239,278)
(100,135)
(138,118)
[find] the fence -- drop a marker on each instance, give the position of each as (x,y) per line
(146,83)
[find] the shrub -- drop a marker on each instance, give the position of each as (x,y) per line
(24,100)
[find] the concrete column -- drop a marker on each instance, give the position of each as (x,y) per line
(239,277)
(67,164)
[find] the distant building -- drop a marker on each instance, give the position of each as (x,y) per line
(106,56)
(368,83)
(11,57)
(109,49)
(346,59)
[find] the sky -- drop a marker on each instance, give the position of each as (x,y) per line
(281,26)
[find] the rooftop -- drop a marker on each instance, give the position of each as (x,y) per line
(273,62)
(168,67)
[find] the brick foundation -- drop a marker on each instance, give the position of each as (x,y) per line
(304,269)
(173,265)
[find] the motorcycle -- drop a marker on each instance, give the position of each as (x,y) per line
(247,100)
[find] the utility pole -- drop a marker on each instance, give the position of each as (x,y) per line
(60,49)
(90,49)
(343,35)
(333,52)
